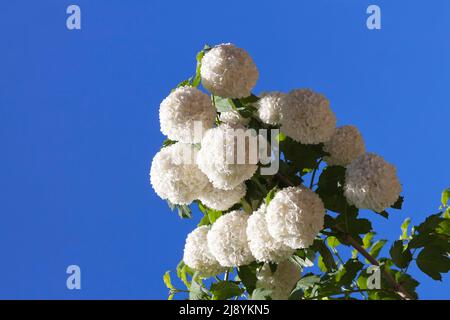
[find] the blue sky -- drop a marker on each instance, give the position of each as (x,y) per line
(79,121)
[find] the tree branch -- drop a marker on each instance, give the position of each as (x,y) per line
(397,287)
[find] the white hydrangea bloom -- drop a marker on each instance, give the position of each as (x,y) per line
(227,240)
(281,282)
(371,183)
(295,216)
(183,110)
(218,157)
(233,118)
(197,255)
(345,145)
(262,245)
(228,71)
(175,176)
(219,199)
(308,118)
(269,107)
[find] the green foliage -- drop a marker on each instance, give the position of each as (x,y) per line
(224,290)
(248,276)
(400,254)
(184,211)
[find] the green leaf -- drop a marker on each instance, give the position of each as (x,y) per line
(168,142)
(184,211)
(222,104)
(301,156)
(273,267)
(333,242)
(184,83)
(303,258)
(433,262)
(367,240)
(247,274)
(445,196)
(182,272)
(362,280)
(400,256)
(281,137)
(250,99)
(404,228)
(326,257)
(351,224)
(444,227)
(345,276)
(384,214)
(213,215)
(430,223)
(224,290)
(197,291)
(398,204)
(167,281)
(197,78)
(407,282)
(308,281)
(204,221)
(376,248)
(261,294)
(321,264)
(271,194)
(331,191)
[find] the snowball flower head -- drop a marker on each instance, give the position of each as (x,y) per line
(269,107)
(197,255)
(174,174)
(219,199)
(228,71)
(371,183)
(262,245)
(227,240)
(295,216)
(307,118)
(345,145)
(233,118)
(227,157)
(281,282)
(185,114)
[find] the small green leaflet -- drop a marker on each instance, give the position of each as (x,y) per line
(224,290)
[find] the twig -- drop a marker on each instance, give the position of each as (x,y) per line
(397,287)
(314,174)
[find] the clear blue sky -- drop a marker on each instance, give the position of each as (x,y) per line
(79,121)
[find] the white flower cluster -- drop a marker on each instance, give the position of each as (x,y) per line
(219,199)
(295,216)
(227,240)
(175,176)
(345,145)
(371,183)
(262,245)
(182,110)
(218,159)
(269,107)
(281,282)
(307,118)
(197,255)
(228,71)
